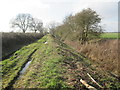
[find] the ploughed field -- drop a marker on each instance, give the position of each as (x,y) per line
(52,64)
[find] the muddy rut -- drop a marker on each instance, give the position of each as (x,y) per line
(21,72)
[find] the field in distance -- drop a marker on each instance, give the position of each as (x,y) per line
(110,35)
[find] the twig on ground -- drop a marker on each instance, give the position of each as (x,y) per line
(87,85)
(94,80)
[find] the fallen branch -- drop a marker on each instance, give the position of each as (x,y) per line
(93,80)
(87,85)
(114,75)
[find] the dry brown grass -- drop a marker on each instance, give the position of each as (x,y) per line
(103,53)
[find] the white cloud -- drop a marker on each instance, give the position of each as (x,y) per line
(54,10)
(10,8)
(108,11)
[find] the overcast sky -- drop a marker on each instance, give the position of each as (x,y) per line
(56,10)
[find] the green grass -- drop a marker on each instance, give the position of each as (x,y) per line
(110,35)
(45,70)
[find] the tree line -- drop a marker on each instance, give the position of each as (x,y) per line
(82,26)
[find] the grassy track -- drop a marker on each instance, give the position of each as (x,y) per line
(110,35)
(45,70)
(54,66)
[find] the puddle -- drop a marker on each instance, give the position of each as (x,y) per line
(24,69)
(26,66)
(46,42)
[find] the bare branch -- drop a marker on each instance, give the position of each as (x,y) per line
(94,80)
(87,85)
(22,21)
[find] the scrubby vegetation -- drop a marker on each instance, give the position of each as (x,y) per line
(54,66)
(84,32)
(14,41)
(82,26)
(103,53)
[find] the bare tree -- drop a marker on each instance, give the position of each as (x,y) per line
(52,27)
(40,27)
(36,25)
(22,21)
